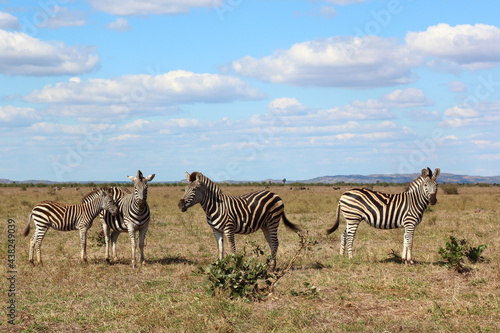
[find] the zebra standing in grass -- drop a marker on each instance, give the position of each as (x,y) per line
(229,215)
(67,217)
(387,211)
(133,215)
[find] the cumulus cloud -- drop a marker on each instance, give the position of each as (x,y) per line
(8,21)
(10,115)
(370,61)
(21,54)
(63,17)
(466,46)
(144,91)
(146,7)
(486,114)
(120,24)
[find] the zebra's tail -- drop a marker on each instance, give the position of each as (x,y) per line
(337,219)
(27,229)
(289,224)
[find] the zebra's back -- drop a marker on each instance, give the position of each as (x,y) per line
(252,210)
(55,215)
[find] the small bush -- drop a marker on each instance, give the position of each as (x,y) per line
(453,253)
(240,277)
(474,253)
(455,250)
(450,188)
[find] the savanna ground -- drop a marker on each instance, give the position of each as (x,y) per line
(324,292)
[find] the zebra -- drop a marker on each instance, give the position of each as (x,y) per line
(133,215)
(64,217)
(229,215)
(387,211)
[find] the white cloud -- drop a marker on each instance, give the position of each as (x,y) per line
(146,7)
(467,46)
(8,21)
(145,91)
(461,112)
(21,54)
(124,137)
(120,24)
(457,87)
(337,62)
(63,17)
(11,114)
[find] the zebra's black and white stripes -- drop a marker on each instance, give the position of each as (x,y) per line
(387,211)
(67,217)
(133,215)
(230,215)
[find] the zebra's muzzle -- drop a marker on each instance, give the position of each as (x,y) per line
(182,205)
(433,199)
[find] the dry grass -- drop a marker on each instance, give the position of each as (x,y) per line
(371,293)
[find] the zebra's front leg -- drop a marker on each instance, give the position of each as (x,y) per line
(114,239)
(220,242)
(408,244)
(133,244)
(142,237)
(83,244)
(106,229)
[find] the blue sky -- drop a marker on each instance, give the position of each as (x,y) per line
(247,90)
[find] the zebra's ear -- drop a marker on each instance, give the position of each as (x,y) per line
(188,176)
(198,177)
(150,177)
(132,178)
(436,173)
(425,172)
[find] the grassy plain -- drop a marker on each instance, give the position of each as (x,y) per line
(374,292)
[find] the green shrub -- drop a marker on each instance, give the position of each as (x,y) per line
(453,253)
(449,188)
(455,250)
(474,253)
(239,277)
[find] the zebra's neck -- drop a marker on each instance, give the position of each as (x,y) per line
(93,207)
(212,196)
(416,190)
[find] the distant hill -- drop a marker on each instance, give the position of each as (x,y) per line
(402,178)
(360,179)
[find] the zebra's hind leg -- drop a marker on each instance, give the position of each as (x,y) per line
(32,249)
(271,235)
(36,244)
(349,233)
(342,242)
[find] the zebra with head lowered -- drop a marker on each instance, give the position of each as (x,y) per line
(387,211)
(229,215)
(133,215)
(67,217)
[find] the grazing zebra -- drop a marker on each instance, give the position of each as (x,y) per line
(67,217)
(133,214)
(229,215)
(387,211)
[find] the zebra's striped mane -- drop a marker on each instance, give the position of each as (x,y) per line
(415,184)
(212,186)
(94,192)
